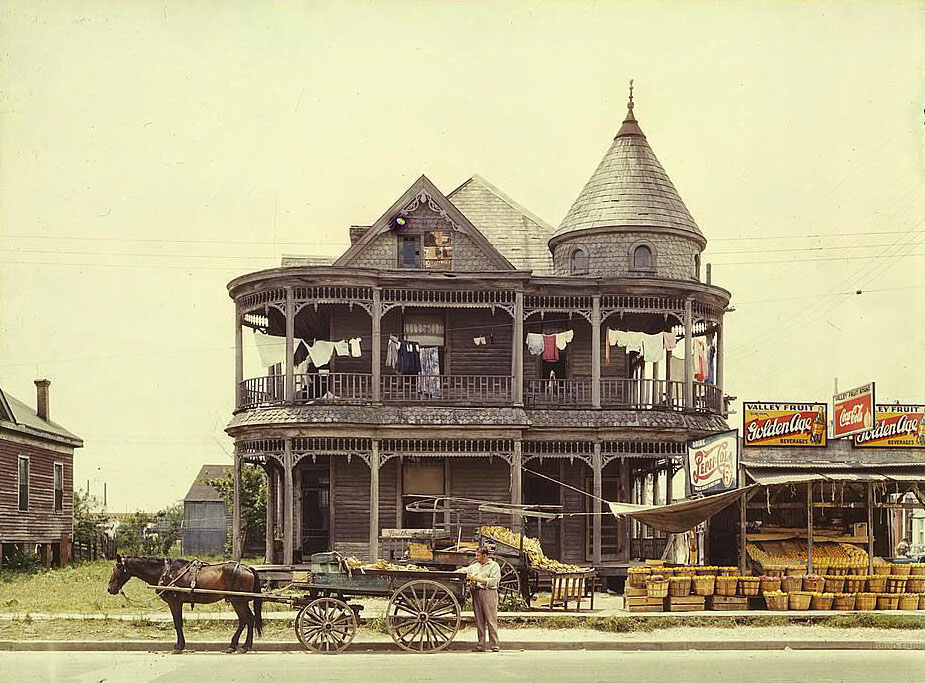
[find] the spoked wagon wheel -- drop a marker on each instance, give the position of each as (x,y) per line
(509,587)
(326,625)
(423,616)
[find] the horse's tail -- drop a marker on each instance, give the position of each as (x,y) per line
(258,604)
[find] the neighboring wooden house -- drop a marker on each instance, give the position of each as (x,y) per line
(36,479)
(206,517)
(476,279)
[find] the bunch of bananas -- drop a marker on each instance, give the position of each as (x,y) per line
(532,549)
(356,563)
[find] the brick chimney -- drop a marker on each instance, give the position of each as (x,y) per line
(41,398)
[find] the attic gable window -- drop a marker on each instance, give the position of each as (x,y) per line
(431,250)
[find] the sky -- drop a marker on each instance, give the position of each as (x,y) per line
(152,151)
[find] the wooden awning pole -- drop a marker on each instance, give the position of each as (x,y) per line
(870,527)
(809,527)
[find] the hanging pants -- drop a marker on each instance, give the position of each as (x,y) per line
(485,606)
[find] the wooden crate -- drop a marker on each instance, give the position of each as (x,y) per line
(722,603)
(645,604)
(633,592)
(688,603)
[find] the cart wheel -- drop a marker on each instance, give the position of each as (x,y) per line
(326,625)
(423,616)
(509,587)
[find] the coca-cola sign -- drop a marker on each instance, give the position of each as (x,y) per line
(712,463)
(853,411)
(784,424)
(898,426)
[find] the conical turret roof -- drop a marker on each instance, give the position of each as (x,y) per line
(629,189)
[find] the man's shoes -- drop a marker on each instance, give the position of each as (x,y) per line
(496,649)
(478,648)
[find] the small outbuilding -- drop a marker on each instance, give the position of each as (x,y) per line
(206,515)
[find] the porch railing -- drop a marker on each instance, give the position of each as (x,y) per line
(258,391)
(479,390)
(334,387)
(642,393)
(707,398)
(557,393)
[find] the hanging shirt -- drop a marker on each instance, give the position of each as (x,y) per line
(563,338)
(653,347)
(670,340)
(409,358)
(535,343)
(631,340)
(320,352)
(342,348)
(355,351)
(699,360)
(391,353)
(272,350)
(550,348)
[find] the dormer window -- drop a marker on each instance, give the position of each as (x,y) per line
(642,258)
(432,250)
(578,264)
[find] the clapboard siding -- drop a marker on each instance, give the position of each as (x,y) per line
(481,479)
(351,501)
(466,358)
(40,524)
(388,490)
(347,324)
(574,528)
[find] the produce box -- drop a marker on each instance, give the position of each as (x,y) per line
(724,603)
(645,604)
(634,592)
(688,603)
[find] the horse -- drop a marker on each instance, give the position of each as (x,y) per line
(226,576)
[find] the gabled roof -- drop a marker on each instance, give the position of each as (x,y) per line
(516,232)
(200,491)
(424,188)
(629,188)
(14,414)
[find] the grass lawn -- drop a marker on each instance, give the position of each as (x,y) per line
(81,589)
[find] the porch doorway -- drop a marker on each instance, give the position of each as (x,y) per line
(421,477)
(316,509)
(540,491)
(613,530)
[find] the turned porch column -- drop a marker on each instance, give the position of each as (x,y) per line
(269,555)
(688,353)
(238,357)
(377,344)
(288,506)
(596,352)
(236,540)
(374,501)
(719,368)
(517,482)
(517,351)
(597,467)
(289,389)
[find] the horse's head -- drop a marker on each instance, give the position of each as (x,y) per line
(120,575)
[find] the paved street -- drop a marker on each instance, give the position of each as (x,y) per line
(535,667)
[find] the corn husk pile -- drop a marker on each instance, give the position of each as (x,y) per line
(356,563)
(532,548)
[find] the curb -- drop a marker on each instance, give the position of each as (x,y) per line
(361,647)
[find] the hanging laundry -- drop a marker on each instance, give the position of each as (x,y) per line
(342,348)
(355,351)
(563,338)
(631,340)
(711,365)
(699,359)
(479,341)
(391,352)
(409,358)
(678,351)
(653,347)
(670,340)
(610,339)
(430,370)
(272,350)
(320,352)
(550,348)
(534,343)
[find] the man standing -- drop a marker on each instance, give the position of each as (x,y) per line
(484,574)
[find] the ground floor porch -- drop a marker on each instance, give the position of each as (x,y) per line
(342,494)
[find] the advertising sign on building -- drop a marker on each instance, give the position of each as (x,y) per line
(784,424)
(712,463)
(853,411)
(898,426)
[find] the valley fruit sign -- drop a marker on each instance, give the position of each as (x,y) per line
(853,411)
(712,463)
(898,426)
(784,424)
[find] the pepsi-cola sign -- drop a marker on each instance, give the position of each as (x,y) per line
(712,463)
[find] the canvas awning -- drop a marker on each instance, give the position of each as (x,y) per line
(770,476)
(679,517)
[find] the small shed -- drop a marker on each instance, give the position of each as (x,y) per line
(207,517)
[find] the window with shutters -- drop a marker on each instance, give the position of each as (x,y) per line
(23,483)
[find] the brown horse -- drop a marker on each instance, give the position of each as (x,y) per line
(227,576)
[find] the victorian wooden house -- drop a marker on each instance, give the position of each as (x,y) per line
(461,344)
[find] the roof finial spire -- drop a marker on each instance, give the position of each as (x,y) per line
(630,126)
(630,103)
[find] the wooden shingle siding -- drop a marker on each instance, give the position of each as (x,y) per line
(466,358)
(40,523)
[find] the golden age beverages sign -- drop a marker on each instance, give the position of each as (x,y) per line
(898,426)
(784,424)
